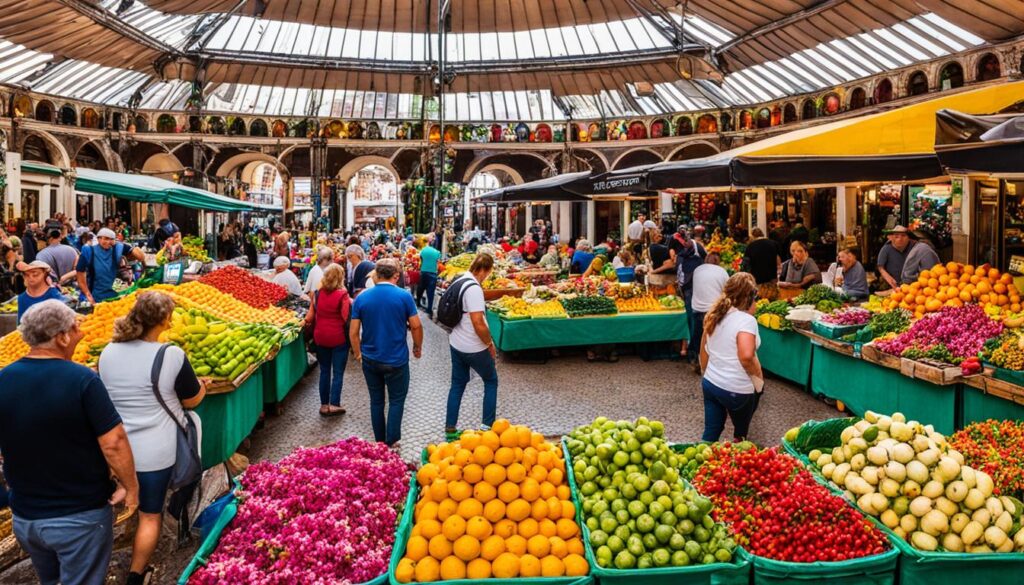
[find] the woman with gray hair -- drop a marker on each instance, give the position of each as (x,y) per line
(126,367)
(582,257)
(324,258)
(284,276)
(63,444)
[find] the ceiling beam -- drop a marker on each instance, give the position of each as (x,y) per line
(112,22)
(781,23)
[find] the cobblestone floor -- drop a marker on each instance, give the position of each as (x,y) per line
(551,398)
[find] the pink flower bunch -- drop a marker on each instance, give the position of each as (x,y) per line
(325,515)
(964,330)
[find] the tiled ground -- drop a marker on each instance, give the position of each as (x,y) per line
(551,398)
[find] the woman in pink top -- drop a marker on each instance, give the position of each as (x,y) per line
(329,315)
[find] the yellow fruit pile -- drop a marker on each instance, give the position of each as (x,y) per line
(953,285)
(224,306)
(493,504)
(98,328)
(12,348)
(638,304)
(547,310)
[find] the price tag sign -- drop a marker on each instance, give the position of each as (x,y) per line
(173,272)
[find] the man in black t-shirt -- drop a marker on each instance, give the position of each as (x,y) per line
(62,442)
(763,261)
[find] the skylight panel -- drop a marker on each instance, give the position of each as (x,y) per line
(877,42)
(901,44)
(868,49)
(624,40)
(926,27)
(849,65)
(914,35)
(810,65)
(539,39)
(556,42)
(642,35)
(524,48)
(573,44)
(489,47)
(963,34)
(471,47)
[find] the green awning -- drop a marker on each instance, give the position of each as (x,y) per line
(42,168)
(147,189)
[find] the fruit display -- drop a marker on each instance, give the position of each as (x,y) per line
(777,510)
(638,511)
(773,314)
(10,306)
(912,479)
(589,305)
(321,515)
(218,349)
(496,504)
(672,303)
(848,316)
(511,308)
(195,248)
(953,285)
(730,253)
(456,266)
(691,457)
(881,324)
(225,306)
(821,296)
(98,328)
(546,310)
(643,304)
(950,335)
(246,287)
(12,348)
(1006,351)
(818,434)
(995,447)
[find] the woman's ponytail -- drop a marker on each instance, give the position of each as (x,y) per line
(739,292)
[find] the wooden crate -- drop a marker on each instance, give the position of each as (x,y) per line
(934,372)
(1000,388)
(830,344)
(871,353)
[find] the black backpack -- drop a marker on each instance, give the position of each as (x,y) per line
(449,307)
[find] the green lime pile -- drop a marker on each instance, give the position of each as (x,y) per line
(639,512)
(691,458)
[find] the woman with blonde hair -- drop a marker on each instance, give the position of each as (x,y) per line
(126,367)
(328,317)
(733,380)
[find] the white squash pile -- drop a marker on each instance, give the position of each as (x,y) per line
(907,475)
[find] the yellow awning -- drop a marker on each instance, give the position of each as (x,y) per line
(906,130)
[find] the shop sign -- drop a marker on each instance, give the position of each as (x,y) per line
(624,184)
(956,205)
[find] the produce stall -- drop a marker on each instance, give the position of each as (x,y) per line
(785,354)
(284,371)
(517,335)
(228,418)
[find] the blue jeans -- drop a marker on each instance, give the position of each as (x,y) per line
(72,550)
(332,362)
(428,284)
(718,403)
(396,378)
(696,332)
(687,293)
(483,364)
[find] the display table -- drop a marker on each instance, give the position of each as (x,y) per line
(786,354)
(8,323)
(228,418)
(625,328)
(282,373)
(862,386)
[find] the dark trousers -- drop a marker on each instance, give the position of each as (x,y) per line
(696,332)
(719,403)
(428,284)
(692,354)
(396,380)
(483,364)
(332,362)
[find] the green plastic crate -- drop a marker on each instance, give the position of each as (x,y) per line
(735,573)
(402,538)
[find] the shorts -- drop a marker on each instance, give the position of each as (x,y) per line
(153,489)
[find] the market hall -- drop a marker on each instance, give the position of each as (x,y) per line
(412,291)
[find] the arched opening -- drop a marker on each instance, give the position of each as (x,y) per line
(335,129)
(635,158)
(451,134)
(988,68)
(265,184)
(90,119)
(831,104)
(637,131)
(435,134)
(35,149)
(373,131)
(44,111)
(695,150)
(68,116)
(90,157)
(543,133)
(258,128)
(858,98)
(725,122)
(299,129)
(789,114)
(117,121)
(764,118)
(22,107)
(808,111)
(883,92)
(659,128)
(776,116)
(166,124)
(216,125)
(684,125)
(372,196)
(746,120)
(917,84)
(951,76)
(355,130)
(141,124)
(195,125)
(707,124)
(280,129)
(236,126)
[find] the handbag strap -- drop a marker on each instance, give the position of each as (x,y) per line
(154,377)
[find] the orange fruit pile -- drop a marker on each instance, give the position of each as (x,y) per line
(223,305)
(12,348)
(98,328)
(953,285)
(493,504)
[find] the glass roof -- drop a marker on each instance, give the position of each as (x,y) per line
(825,65)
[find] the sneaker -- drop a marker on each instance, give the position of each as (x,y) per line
(452,435)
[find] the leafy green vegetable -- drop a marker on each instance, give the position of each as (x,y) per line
(817,293)
(589,305)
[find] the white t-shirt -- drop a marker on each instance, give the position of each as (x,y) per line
(125,370)
(724,368)
(313,279)
(288,280)
(464,337)
(708,282)
(635,230)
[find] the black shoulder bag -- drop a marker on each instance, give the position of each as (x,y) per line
(188,467)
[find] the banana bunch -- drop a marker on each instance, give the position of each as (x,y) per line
(10,306)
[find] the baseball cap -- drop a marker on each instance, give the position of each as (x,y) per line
(899,229)
(106,233)
(22,266)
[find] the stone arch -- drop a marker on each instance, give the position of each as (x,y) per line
(141,123)
(693,149)
(46,112)
(58,154)
(94,153)
(67,115)
(917,83)
(21,106)
(763,119)
(808,110)
(639,156)
(883,91)
(258,127)
(236,126)
(91,119)
(595,158)
(162,165)
(512,173)
(245,158)
(988,67)
(952,72)
(476,164)
(789,114)
(355,165)
(111,162)
(166,124)
(858,98)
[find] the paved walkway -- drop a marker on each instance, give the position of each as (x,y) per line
(552,399)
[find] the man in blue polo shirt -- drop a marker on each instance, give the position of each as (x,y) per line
(381,316)
(98,265)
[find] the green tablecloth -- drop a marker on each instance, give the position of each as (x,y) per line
(229,418)
(862,385)
(978,406)
(627,328)
(786,354)
(282,373)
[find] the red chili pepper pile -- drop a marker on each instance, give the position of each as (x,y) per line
(777,510)
(997,448)
(251,290)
